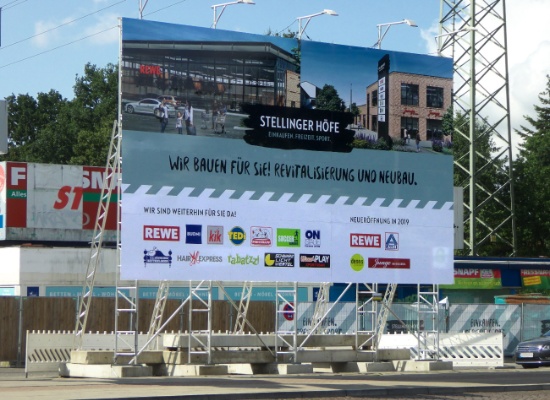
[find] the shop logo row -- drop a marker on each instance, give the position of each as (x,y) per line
(280,260)
(262,236)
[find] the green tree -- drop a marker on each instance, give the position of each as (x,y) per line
(532,181)
(491,189)
(27,119)
(328,99)
(51,129)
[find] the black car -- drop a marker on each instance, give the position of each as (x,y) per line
(534,353)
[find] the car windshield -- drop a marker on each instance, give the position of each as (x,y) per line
(547,334)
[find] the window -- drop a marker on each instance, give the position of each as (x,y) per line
(410,124)
(374,98)
(374,123)
(434,97)
(409,94)
(434,129)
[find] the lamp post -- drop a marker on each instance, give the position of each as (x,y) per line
(450,34)
(224,5)
(308,18)
(387,27)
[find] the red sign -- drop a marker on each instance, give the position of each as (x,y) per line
(364,240)
(16,199)
(390,263)
(288,311)
(150,70)
(161,233)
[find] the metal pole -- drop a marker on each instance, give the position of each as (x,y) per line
(472,155)
(20,332)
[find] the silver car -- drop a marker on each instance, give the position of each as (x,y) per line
(148,106)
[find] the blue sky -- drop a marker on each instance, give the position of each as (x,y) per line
(46,43)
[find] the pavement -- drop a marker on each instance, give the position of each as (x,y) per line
(46,386)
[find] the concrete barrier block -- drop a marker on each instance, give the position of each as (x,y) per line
(394,354)
(288,369)
(376,367)
(422,366)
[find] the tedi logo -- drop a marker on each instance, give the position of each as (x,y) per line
(155,256)
(161,233)
(214,234)
(313,238)
(392,241)
(193,234)
(237,235)
(243,260)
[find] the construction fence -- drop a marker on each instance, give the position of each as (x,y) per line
(18,315)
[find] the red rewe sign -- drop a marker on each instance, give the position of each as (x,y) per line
(150,70)
(364,240)
(390,263)
(161,233)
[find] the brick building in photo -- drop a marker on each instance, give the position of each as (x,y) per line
(417,103)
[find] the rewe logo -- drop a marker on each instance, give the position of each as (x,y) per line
(161,233)
(364,240)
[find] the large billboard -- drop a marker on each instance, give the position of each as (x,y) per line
(244,162)
(49,202)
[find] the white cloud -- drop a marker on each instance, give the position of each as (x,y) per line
(528,47)
(104,30)
(45,33)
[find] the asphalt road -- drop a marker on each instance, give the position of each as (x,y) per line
(502,384)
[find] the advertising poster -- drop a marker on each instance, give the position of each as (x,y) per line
(475,278)
(535,278)
(52,202)
(246,160)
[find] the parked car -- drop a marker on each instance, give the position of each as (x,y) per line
(534,353)
(172,100)
(148,106)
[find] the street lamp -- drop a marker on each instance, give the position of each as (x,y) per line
(388,25)
(308,18)
(451,34)
(223,5)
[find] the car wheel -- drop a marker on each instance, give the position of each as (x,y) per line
(130,109)
(528,366)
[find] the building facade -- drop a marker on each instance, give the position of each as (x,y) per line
(417,104)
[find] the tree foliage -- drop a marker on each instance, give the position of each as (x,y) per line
(532,181)
(52,129)
(491,190)
(328,99)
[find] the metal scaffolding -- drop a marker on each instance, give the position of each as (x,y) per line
(473,32)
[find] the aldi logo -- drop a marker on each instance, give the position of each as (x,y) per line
(392,241)
(193,234)
(161,233)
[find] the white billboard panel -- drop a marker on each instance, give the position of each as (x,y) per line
(262,192)
(3,127)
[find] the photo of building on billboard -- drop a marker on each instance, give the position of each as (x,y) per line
(243,161)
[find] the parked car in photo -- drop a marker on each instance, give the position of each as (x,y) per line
(534,353)
(172,100)
(148,106)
